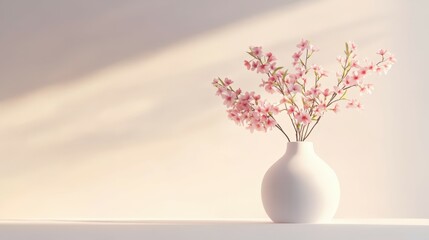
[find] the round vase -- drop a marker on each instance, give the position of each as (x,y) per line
(300,187)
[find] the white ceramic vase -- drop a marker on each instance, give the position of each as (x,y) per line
(300,187)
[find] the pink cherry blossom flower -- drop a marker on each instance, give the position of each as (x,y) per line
(379,70)
(392,59)
(215,82)
(303,118)
(252,127)
(353,80)
(371,67)
(336,108)
(233,115)
(300,72)
(262,68)
(351,103)
(255,65)
(255,97)
(270,57)
(257,51)
(220,91)
(326,92)
(320,109)
(366,88)
(247,64)
(245,98)
(318,70)
(228,81)
(260,127)
(315,67)
(267,108)
(291,109)
(303,44)
(322,106)
(363,72)
(381,52)
(297,55)
(314,92)
(268,85)
(272,79)
(354,103)
(269,123)
(338,90)
(274,110)
(293,88)
(229,98)
(359,106)
(355,64)
(356,77)
(348,81)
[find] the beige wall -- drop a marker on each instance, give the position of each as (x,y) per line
(107,110)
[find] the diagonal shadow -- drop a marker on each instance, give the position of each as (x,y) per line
(50,42)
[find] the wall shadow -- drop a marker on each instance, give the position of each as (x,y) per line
(51,42)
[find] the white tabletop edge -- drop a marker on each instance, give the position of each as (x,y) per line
(128,221)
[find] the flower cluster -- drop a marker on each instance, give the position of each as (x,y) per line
(246,108)
(303,97)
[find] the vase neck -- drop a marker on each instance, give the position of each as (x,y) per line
(295,147)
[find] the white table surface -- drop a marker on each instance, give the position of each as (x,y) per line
(348,229)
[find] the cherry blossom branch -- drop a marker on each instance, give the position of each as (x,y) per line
(280,89)
(281,129)
(304,107)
